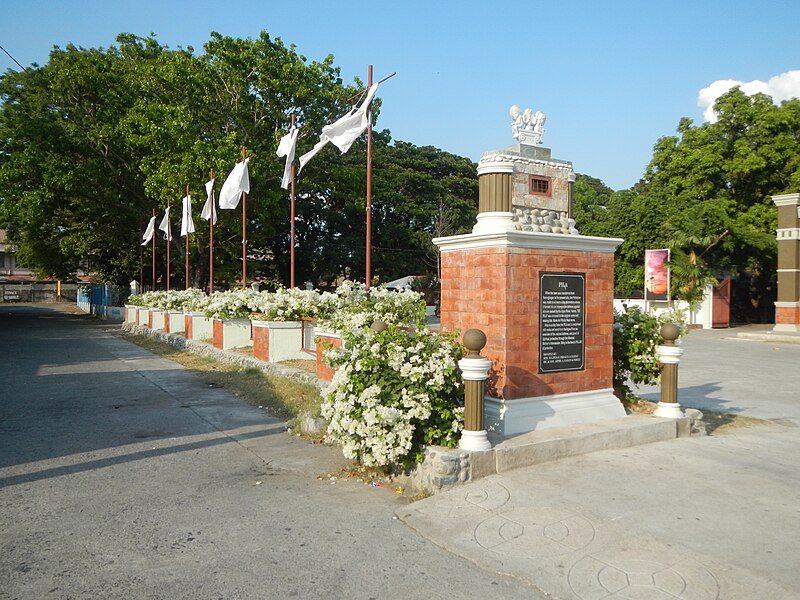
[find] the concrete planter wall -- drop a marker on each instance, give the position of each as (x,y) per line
(275,341)
(131,314)
(231,333)
(198,326)
(174,321)
(157,317)
(143,317)
(326,337)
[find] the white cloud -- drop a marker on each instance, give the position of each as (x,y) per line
(781,87)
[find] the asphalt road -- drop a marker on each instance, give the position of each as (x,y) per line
(123,475)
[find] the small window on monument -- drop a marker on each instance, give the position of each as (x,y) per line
(540,186)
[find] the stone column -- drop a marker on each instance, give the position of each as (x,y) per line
(494,197)
(787,308)
(669,355)
(474,370)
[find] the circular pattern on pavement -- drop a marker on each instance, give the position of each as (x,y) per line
(534,532)
(614,575)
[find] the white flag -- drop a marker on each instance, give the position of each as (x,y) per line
(148,233)
(286,148)
(345,131)
(164,226)
(209,211)
(187,223)
(236,183)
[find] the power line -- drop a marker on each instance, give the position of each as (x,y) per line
(12,58)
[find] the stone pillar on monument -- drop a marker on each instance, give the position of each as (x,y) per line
(787,307)
(541,292)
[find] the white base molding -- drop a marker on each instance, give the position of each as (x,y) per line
(668,410)
(511,417)
(474,441)
(786,328)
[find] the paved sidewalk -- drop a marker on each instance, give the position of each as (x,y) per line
(701,518)
(123,475)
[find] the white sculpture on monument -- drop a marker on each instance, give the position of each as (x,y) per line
(526,126)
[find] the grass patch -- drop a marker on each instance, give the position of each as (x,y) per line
(304,365)
(716,422)
(280,396)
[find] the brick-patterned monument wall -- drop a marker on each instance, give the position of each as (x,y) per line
(497,290)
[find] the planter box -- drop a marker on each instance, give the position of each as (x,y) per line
(174,321)
(197,326)
(274,341)
(131,314)
(156,319)
(231,333)
(143,317)
(329,337)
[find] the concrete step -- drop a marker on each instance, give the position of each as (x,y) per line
(551,444)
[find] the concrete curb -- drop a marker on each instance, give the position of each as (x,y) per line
(768,336)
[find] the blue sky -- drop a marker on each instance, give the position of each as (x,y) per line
(612,76)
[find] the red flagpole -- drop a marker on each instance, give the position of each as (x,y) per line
(211,239)
(369,185)
(169,235)
(291,229)
(141,264)
(154,251)
(186,251)
(244,230)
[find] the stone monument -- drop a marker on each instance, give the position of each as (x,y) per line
(541,292)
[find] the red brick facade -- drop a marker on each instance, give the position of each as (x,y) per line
(261,343)
(497,290)
(216,339)
(787,316)
(324,371)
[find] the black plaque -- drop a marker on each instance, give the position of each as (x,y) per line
(561,322)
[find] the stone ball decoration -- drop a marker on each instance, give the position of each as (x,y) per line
(474,340)
(670,332)
(378,326)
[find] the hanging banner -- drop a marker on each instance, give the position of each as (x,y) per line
(656,275)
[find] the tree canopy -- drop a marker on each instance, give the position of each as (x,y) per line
(706,194)
(95,140)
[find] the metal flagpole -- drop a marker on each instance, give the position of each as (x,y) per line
(169,235)
(141,258)
(211,239)
(154,252)
(291,229)
(244,230)
(369,184)
(186,251)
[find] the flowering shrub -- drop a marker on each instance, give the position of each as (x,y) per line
(636,335)
(393,392)
(231,304)
(145,300)
(192,298)
(284,304)
(355,307)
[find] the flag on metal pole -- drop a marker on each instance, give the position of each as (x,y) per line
(286,147)
(238,182)
(187,223)
(164,226)
(148,233)
(209,210)
(346,130)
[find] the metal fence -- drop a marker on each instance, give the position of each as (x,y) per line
(38,292)
(103,300)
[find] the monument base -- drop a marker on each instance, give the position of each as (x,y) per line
(521,415)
